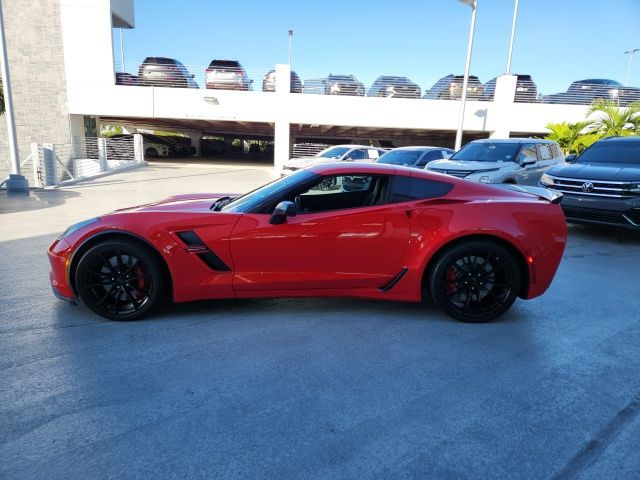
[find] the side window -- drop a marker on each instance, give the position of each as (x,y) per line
(544,151)
(528,153)
(338,192)
(406,189)
(356,155)
(373,153)
(427,157)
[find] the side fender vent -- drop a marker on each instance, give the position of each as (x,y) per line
(213,262)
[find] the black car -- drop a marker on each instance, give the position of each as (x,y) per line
(526,89)
(165,72)
(397,87)
(269,82)
(123,78)
(417,157)
(450,88)
(593,90)
(602,185)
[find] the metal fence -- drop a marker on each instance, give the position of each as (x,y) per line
(306,149)
(59,164)
(449,87)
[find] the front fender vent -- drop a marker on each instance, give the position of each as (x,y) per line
(196,246)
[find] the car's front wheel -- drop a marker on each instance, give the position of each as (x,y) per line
(119,279)
(475,281)
(151,152)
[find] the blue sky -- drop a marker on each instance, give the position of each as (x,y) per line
(556,41)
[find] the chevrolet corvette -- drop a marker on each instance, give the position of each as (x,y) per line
(380,231)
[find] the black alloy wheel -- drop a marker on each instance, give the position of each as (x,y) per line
(119,280)
(475,281)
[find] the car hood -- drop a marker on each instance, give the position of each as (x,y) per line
(190,203)
(466,165)
(601,171)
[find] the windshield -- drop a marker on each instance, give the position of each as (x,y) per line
(487,152)
(401,157)
(249,201)
(612,152)
(334,152)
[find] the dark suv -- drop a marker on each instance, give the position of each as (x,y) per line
(227,75)
(602,185)
(165,72)
(335,85)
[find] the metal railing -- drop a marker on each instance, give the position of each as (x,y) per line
(90,157)
(582,92)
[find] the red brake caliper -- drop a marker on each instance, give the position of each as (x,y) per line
(450,278)
(141,284)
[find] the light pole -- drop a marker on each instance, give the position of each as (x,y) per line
(16,183)
(121,52)
(513,34)
(474,7)
(630,53)
(290,44)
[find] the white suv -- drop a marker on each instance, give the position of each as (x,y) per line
(514,160)
(337,153)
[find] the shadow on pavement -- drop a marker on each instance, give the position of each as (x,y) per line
(36,200)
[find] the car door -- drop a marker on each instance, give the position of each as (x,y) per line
(334,242)
(528,172)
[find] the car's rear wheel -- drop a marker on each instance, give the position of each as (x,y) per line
(151,152)
(475,281)
(119,279)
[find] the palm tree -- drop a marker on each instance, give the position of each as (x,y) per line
(571,137)
(609,120)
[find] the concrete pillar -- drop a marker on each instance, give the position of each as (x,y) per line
(282,128)
(138,148)
(196,137)
(102,154)
(502,101)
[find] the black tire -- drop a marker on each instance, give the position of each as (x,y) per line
(475,281)
(151,152)
(119,280)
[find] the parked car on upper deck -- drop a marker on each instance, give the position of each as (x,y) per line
(513,160)
(593,90)
(601,185)
(335,153)
(165,72)
(334,85)
(269,82)
(526,89)
(450,88)
(396,87)
(123,78)
(227,75)
(417,157)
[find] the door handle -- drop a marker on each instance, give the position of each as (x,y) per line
(410,213)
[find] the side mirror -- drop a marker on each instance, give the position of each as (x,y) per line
(571,158)
(282,211)
(528,161)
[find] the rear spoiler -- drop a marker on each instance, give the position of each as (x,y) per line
(544,194)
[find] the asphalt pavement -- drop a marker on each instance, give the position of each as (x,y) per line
(312,388)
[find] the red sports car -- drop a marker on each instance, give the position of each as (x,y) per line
(342,230)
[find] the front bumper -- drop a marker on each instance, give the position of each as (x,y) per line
(60,258)
(623,212)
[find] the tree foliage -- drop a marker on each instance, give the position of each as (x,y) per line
(604,119)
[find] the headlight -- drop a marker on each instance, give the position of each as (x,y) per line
(635,188)
(547,179)
(485,179)
(77,226)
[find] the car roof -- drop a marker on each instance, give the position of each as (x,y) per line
(420,148)
(634,139)
(512,140)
